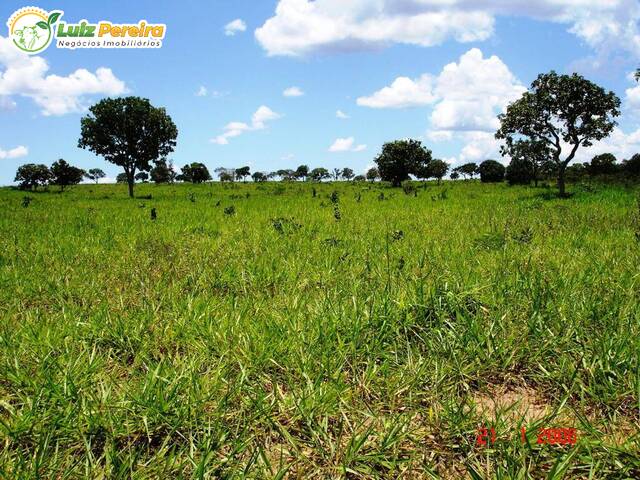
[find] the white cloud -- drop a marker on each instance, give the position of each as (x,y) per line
(287,157)
(293,92)
(467,95)
(346,145)
(621,144)
(235,26)
(19,151)
(301,27)
(202,91)
(472,92)
(258,122)
(262,115)
(479,146)
(26,76)
(632,98)
(341,115)
(402,93)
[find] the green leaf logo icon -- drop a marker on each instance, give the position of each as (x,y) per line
(53,18)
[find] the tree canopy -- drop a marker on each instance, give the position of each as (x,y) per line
(400,159)
(195,172)
(242,172)
(32,175)
(491,171)
(63,174)
(604,164)
(372,174)
(560,109)
(162,172)
(437,169)
(95,174)
(128,132)
(319,174)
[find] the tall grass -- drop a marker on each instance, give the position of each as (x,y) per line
(276,340)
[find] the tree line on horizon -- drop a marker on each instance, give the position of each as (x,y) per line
(558,112)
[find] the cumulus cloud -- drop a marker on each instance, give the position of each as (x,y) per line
(622,145)
(346,145)
(202,91)
(472,92)
(466,96)
(301,27)
(293,92)
(235,26)
(341,115)
(258,122)
(632,95)
(402,93)
(56,95)
(19,151)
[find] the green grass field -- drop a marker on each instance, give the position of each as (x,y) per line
(368,335)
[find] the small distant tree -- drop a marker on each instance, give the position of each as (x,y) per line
(520,171)
(401,158)
(557,109)
(372,174)
(95,174)
(632,165)
(243,172)
(491,171)
(347,173)
(122,178)
(359,178)
(437,169)
(225,174)
(142,177)
(259,177)
(226,177)
(577,172)
(604,164)
(63,174)
(286,174)
(536,152)
(31,176)
(129,132)
(335,174)
(195,172)
(454,175)
(163,172)
(467,170)
(302,172)
(319,174)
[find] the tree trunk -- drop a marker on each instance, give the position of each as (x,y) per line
(561,181)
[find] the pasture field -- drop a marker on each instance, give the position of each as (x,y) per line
(259,331)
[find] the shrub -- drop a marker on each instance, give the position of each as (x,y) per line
(491,171)
(519,172)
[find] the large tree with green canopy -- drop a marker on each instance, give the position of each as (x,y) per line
(128,132)
(563,111)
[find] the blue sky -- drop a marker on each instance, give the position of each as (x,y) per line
(403,68)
